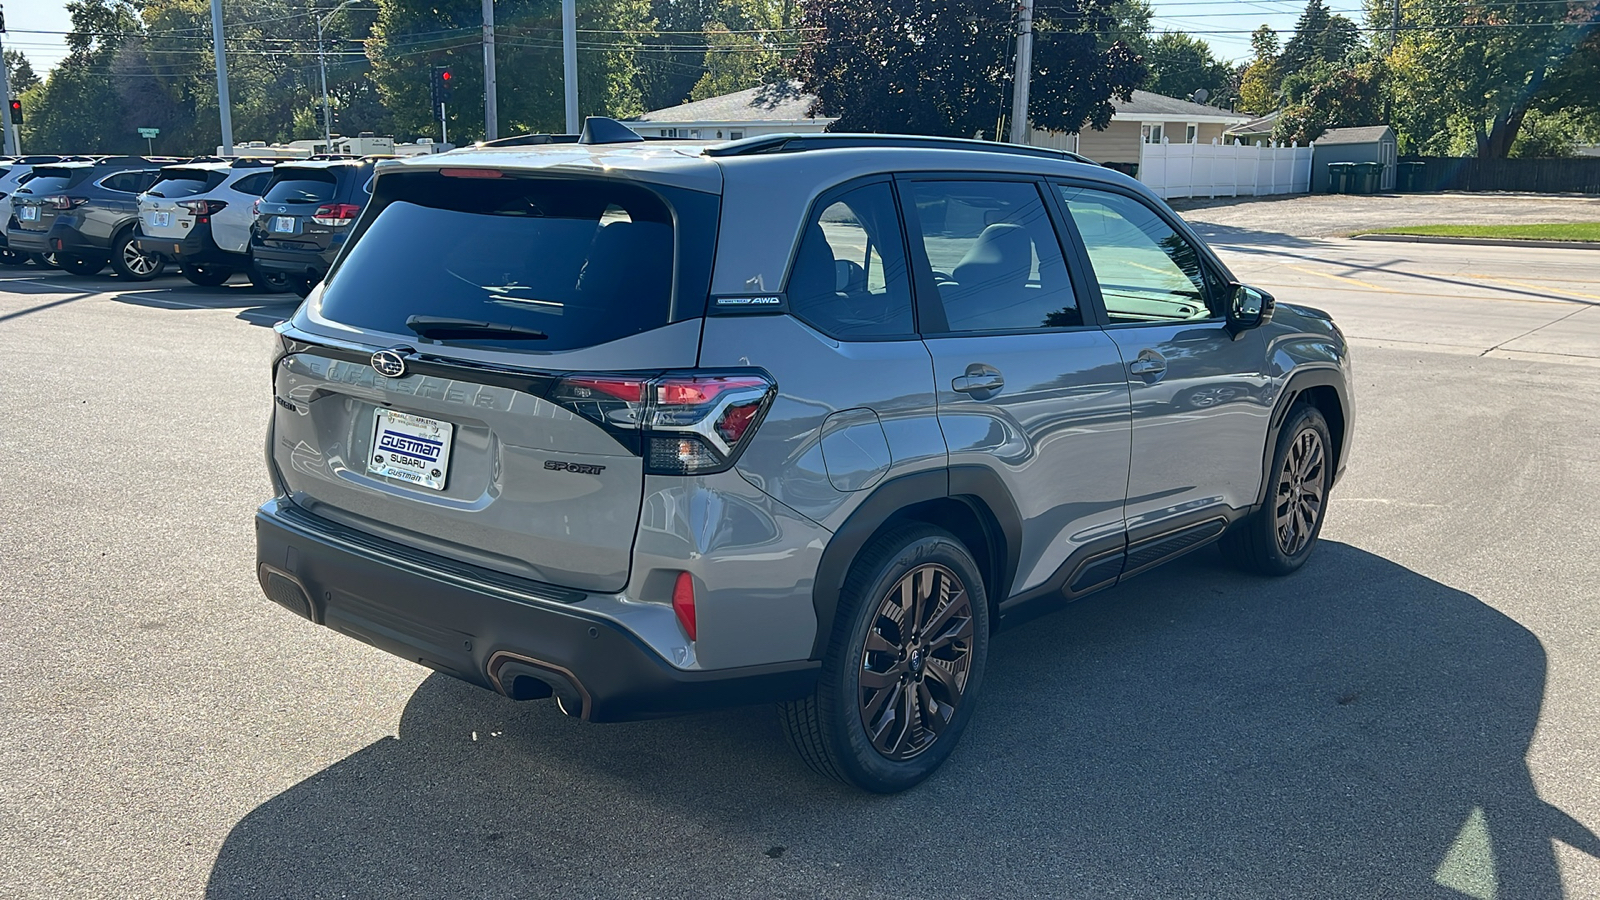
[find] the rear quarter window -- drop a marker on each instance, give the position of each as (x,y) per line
(583,261)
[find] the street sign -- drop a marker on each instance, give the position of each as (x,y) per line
(148,133)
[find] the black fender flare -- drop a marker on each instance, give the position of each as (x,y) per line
(977,486)
(1299,382)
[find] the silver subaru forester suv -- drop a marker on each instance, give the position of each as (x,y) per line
(658,427)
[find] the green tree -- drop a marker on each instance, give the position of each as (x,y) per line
(1180,65)
(77,109)
(1259,82)
(944,66)
(1342,97)
(412,36)
(19,72)
(1469,73)
(1320,37)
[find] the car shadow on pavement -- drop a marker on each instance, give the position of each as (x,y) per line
(1356,730)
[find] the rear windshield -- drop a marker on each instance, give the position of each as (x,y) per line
(185,182)
(583,261)
(45,181)
(300,186)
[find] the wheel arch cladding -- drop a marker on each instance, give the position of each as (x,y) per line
(1324,389)
(971,502)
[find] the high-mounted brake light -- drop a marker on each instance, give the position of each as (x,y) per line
(682,424)
(336,214)
(683,604)
(472,173)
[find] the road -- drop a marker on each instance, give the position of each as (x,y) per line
(1411,715)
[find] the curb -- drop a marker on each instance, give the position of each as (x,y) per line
(1474,241)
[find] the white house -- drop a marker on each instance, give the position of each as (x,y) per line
(783,108)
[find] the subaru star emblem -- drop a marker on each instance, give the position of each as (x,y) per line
(388,363)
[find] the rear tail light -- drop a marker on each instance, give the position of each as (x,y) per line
(682,424)
(683,604)
(336,214)
(60,201)
(203,209)
(255,207)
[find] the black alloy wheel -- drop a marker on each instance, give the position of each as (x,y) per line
(902,666)
(44,260)
(1278,538)
(134,264)
(915,661)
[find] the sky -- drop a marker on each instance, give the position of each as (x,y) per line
(1225,24)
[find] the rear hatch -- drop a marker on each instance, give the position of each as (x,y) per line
(165,210)
(42,198)
(526,316)
(301,210)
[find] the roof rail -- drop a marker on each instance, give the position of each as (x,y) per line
(796,143)
(529,140)
(250,162)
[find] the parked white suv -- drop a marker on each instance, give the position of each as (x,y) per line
(199,216)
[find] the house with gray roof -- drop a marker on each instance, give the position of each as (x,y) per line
(1366,143)
(780,108)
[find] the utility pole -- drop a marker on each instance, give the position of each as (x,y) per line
(222,78)
(322,57)
(569,62)
(491,103)
(1394,27)
(13,142)
(1019,86)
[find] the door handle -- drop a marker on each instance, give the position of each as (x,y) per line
(1148,363)
(980,381)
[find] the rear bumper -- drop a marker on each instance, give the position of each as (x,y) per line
(196,248)
(29,241)
(63,237)
(314,263)
(524,647)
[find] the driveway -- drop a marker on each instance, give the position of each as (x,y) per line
(1333,215)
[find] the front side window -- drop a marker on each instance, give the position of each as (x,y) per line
(1146,270)
(995,257)
(849,278)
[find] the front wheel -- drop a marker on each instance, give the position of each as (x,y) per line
(45,260)
(1277,538)
(902,670)
(207,276)
(270,282)
(81,265)
(10,257)
(135,264)
(302,285)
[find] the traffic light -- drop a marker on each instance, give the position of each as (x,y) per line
(16,111)
(443,83)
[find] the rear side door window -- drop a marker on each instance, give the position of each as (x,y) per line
(1147,271)
(995,259)
(849,277)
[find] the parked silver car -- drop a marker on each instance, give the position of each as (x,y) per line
(659,427)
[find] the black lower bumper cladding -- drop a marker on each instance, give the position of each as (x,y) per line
(515,639)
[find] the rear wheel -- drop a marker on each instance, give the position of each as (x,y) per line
(44,260)
(270,282)
(135,264)
(207,276)
(1278,538)
(902,670)
(81,265)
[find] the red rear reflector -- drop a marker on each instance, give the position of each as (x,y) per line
(683,603)
(471,173)
(736,421)
(623,389)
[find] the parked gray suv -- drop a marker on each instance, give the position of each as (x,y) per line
(654,428)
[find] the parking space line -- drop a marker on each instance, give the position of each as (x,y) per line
(1366,284)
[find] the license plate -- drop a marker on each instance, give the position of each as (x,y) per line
(28,214)
(160,219)
(283,224)
(409,448)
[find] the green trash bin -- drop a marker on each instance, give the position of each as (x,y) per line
(1340,175)
(1408,177)
(1368,176)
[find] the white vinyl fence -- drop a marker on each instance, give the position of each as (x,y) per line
(1224,170)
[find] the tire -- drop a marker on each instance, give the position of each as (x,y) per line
(9,257)
(80,265)
(830,727)
(207,276)
(271,282)
(301,285)
(44,260)
(1278,538)
(132,263)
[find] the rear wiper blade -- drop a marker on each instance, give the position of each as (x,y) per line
(444,328)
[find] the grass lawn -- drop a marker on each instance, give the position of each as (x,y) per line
(1577,231)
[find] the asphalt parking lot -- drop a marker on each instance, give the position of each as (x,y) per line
(1411,715)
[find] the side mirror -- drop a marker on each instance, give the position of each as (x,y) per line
(1248,308)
